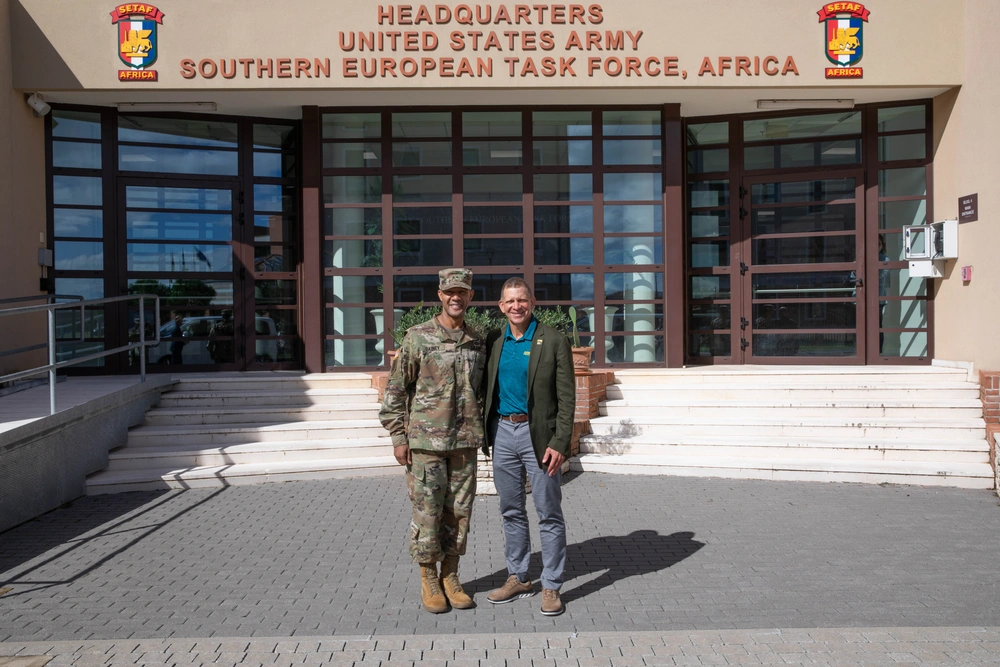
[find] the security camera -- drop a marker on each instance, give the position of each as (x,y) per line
(38,104)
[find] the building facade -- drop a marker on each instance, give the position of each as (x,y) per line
(706,183)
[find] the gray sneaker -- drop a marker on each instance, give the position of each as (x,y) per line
(511,590)
(551,604)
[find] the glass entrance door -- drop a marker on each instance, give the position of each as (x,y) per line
(801,270)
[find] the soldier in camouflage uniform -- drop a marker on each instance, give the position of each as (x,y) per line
(433,408)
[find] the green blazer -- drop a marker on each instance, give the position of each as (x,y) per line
(551,390)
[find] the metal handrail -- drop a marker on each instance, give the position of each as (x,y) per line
(48,298)
(53,365)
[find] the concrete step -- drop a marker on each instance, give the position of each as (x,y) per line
(239,474)
(724,425)
(260,414)
(769,447)
(734,376)
(273,382)
(169,457)
(764,406)
(253,398)
(960,475)
(147,436)
(798,391)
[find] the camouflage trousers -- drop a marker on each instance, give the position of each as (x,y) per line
(442,488)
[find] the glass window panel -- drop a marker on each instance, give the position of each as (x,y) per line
(904,314)
(273,165)
(435,124)
(352,155)
(806,285)
(564,251)
(494,252)
(897,282)
(278,137)
(491,153)
(710,254)
(633,250)
(357,352)
(421,188)
(902,182)
(636,317)
(199,199)
(703,161)
(631,123)
(351,321)
(68,324)
(275,258)
(416,288)
(422,252)
(633,151)
(178,131)
(564,219)
(827,315)
(902,147)
(78,222)
(275,292)
(274,228)
(804,250)
(186,257)
(491,124)
(352,289)
(492,187)
(624,187)
(633,219)
(707,134)
(904,344)
(646,286)
(561,123)
(76,155)
(710,316)
(157,159)
(802,127)
(641,349)
(285,323)
(70,350)
(896,214)
(708,193)
(352,254)
(791,219)
(352,189)
(709,345)
(709,223)
(88,288)
(76,124)
(804,345)
(83,190)
(493,220)
(562,153)
(896,119)
(352,125)
(710,287)
(802,191)
(789,156)
(564,287)
(563,187)
(352,221)
(188,296)
(421,220)
(274,198)
(172,226)
(79,255)
(421,154)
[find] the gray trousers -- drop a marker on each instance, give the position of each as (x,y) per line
(513,456)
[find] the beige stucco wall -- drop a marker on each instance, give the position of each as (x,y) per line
(966,161)
(22,209)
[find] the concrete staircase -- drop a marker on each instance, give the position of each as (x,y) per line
(228,429)
(900,425)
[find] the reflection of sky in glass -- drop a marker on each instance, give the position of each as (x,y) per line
(180,257)
(633,151)
(180,226)
(84,190)
(157,159)
(76,124)
(631,123)
(633,218)
(77,222)
(624,187)
(198,199)
(614,284)
(76,155)
(178,131)
(79,255)
(552,286)
(88,288)
(633,250)
(271,198)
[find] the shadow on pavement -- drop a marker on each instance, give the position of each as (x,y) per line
(616,557)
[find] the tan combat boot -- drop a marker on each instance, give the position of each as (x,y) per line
(452,586)
(430,589)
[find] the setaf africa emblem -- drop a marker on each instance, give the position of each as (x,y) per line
(844,23)
(137,39)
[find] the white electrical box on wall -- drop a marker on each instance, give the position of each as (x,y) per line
(926,247)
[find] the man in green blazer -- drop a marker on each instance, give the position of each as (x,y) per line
(530,403)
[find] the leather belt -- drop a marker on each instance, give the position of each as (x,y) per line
(517,419)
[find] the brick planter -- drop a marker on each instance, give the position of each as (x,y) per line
(989,393)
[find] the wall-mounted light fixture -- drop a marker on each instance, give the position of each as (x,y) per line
(806,104)
(141,107)
(37,104)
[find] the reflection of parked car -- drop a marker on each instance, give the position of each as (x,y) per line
(196,351)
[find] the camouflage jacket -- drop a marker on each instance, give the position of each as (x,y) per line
(434,397)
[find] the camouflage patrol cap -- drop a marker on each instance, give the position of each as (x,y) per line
(452,278)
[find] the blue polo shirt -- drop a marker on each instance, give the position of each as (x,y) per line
(512,371)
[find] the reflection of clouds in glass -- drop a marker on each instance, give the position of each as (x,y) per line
(177,160)
(180,226)
(633,250)
(76,155)
(635,151)
(625,187)
(633,218)
(77,222)
(79,256)
(83,190)
(582,286)
(88,288)
(200,199)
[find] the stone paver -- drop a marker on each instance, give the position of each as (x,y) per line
(661,571)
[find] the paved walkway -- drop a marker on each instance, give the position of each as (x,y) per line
(662,571)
